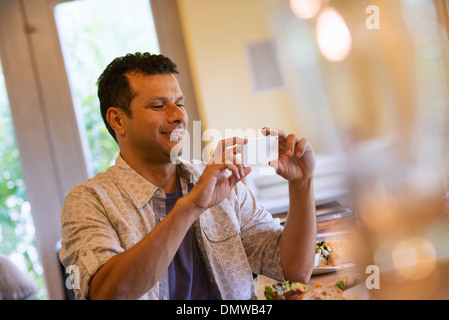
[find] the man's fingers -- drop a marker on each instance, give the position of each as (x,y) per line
(274,164)
(266,131)
(234,162)
(235,144)
(233,180)
(223,145)
(302,146)
(288,144)
(235,170)
(237,149)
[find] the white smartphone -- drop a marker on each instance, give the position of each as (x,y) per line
(260,151)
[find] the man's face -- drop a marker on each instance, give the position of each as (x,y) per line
(158,119)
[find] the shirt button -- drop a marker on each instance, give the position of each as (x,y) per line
(160,219)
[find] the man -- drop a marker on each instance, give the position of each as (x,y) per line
(148,228)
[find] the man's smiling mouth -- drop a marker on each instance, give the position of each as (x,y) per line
(175,135)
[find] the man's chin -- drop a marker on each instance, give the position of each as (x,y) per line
(176,152)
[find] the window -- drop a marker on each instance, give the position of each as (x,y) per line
(17,234)
(62,145)
(92,34)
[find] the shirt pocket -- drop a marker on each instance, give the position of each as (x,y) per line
(220,231)
(223,242)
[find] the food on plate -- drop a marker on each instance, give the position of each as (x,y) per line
(285,290)
(298,291)
(333,253)
(323,293)
(346,282)
(323,249)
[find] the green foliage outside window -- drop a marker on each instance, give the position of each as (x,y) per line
(92,34)
(17,234)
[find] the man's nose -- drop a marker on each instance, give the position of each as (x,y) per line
(176,114)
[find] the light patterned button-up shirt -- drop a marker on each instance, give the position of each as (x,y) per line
(114,210)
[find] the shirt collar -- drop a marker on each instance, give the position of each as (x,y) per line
(141,190)
(136,187)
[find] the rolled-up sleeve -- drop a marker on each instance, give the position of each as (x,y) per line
(88,238)
(260,234)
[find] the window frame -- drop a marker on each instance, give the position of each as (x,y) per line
(51,146)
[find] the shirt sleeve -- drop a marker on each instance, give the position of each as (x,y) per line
(88,238)
(260,234)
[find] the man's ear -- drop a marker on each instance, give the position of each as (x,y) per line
(115,117)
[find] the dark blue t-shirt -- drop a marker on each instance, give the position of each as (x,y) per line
(186,274)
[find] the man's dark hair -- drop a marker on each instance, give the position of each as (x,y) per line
(114,89)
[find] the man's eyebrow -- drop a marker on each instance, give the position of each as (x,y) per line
(162,98)
(158,98)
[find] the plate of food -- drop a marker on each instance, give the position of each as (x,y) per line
(327,269)
(331,256)
(297,291)
(342,289)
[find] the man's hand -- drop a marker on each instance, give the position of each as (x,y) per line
(296,161)
(214,185)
